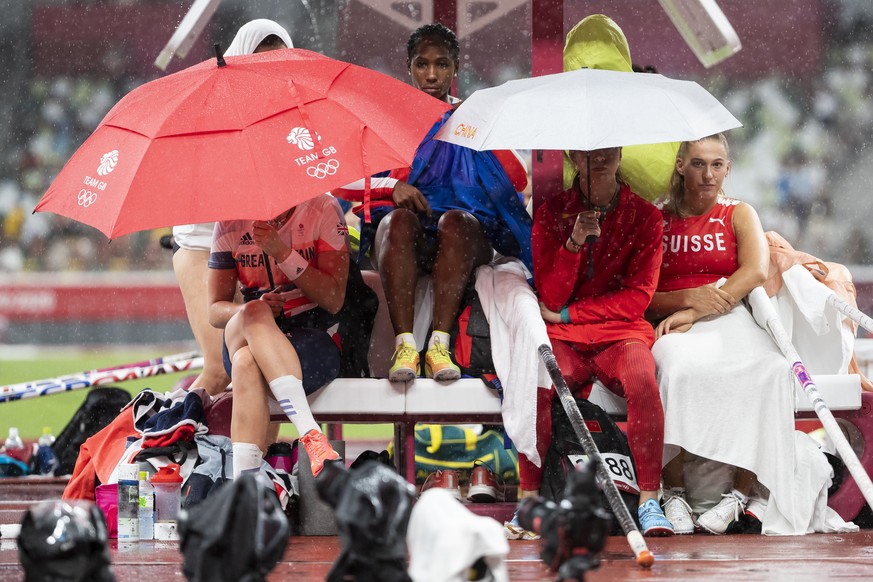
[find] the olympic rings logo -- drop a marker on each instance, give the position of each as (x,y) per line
(323,170)
(87,198)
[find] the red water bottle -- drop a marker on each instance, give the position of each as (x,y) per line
(14,447)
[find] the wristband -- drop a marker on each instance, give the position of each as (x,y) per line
(565,314)
(294,265)
(574,244)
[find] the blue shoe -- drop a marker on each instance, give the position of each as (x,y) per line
(514,531)
(652,520)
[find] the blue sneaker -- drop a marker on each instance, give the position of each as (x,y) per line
(514,531)
(652,520)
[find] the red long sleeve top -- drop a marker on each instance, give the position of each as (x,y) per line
(627,259)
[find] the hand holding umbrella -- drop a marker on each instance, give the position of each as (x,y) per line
(266,236)
(587,227)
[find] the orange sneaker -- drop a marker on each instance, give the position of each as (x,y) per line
(447,479)
(485,486)
(319,450)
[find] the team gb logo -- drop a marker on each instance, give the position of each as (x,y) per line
(107,162)
(301,137)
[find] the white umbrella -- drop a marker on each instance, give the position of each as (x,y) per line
(585,110)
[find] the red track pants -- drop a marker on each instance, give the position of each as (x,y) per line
(625,368)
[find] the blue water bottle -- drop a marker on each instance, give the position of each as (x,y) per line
(46,461)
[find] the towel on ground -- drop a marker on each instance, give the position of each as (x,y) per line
(445,539)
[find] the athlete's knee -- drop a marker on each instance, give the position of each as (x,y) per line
(457,225)
(255,312)
(398,225)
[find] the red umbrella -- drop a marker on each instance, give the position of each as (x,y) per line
(243,140)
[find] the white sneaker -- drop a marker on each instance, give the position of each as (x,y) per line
(678,512)
(719,518)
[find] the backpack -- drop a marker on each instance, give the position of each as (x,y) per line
(356,319)
(239,534)
(565,452)
(471,338)
(100,407)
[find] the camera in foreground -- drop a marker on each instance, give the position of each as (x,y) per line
(573,531)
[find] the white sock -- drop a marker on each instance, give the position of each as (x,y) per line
(246,458)
(441,337)
(404,338)
(288,390)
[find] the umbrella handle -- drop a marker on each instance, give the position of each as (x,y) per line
(591,239)
(218,56)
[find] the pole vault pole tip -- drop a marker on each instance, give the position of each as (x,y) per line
(646,559)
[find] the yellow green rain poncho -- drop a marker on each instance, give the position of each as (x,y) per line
(597,42)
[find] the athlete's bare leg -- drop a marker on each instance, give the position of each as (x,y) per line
(191,272)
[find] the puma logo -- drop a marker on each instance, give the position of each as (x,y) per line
(718,220)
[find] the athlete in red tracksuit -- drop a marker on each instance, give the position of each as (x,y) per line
(597,325)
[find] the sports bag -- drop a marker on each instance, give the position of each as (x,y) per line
(458,447)
(565,451)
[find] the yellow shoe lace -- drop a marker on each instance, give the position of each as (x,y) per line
(405,354)
(439,354)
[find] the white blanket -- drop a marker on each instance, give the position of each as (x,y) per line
(517,330)
(728,395)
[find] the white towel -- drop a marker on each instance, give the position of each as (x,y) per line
(517,330)
(445,539)
(816,329)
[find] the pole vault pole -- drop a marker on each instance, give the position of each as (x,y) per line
(167,365)
(643,555)
(765,312)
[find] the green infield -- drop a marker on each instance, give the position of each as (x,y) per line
(30,415)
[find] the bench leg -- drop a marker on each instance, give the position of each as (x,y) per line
(334,431)
(404,449)
(409,447)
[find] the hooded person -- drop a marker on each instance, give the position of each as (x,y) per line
(253,33)
(597,42)
(194,241)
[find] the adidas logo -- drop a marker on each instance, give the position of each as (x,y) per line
(246,239)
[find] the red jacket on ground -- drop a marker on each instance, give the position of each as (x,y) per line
(627,258)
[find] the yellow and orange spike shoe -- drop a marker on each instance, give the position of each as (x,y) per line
(319,450)
(438,364)
(406,364)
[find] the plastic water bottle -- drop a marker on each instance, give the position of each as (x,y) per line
(46,461)
(146,507)
(168,499)
(14,447)
(128,502)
